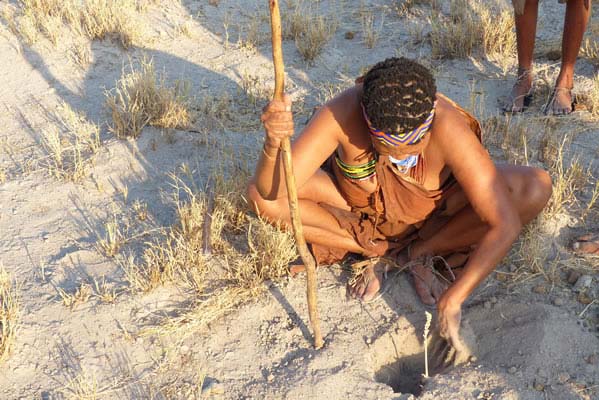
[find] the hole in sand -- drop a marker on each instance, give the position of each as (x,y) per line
(398,359)
(403,375)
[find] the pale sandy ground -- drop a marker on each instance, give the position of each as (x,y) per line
(261,350)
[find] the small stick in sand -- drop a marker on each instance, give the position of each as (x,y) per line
(207,226)
(427,326)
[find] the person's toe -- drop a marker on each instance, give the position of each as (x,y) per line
(370,291)
(424,293)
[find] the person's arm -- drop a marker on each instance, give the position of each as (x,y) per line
(317,141)
(488,195)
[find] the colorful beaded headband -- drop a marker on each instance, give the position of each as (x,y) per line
(394,139)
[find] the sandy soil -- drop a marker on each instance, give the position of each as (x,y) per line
(531,344)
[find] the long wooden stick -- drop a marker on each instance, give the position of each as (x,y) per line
(296,222)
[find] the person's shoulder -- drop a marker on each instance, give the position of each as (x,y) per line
(349,99)
(449,119)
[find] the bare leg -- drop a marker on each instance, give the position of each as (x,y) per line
(319,225)
(526,28)
(530,190)
(577,17)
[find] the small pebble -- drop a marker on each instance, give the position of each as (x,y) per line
(493,299)
(270,377)
(558,301)
(349,35)
(583,283)
(563,377)
(512,370)
(593,359)
(584,298)
(184,349)
(539,386)
(573,277)
(540,289)
(368,340)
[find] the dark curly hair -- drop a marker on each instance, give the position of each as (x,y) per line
(398,95)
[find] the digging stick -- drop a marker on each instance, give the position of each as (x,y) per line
(296,222)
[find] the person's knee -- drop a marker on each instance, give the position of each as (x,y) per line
(269,210)
(537,189)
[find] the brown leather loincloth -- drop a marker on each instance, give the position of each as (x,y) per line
(398,212)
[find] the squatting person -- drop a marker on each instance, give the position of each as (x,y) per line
(392,167)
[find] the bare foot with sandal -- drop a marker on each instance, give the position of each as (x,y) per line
(575,23)
(521,95)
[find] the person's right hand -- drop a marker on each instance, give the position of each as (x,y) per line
(278,121)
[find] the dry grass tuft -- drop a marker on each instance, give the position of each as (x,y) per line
(310,30)
(510,135)
(84,386)
(593,97)
(142,98)
(245,250)
(370,29)
(471,25)
(71,145)
(590,50)
(568,180)
(80,296)
(94,19)
(9,313)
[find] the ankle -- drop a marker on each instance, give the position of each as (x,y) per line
(564,80)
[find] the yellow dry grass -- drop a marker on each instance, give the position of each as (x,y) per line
(141,97)
(9,313)
(308,27)
(470,26)
(70,144)
(93,19)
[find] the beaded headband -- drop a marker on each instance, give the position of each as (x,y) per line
(395,139)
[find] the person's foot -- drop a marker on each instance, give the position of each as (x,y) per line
(587,244)
(561,102)
(428,284)
(368,284)
(521,95)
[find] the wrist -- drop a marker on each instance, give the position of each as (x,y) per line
(269,152)
(272,144)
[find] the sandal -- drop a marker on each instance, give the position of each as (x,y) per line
(549,108)
(363,278)
(428,282)
(509,105)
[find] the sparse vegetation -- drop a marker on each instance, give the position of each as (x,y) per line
(80,296)
(310,29)
(9,313)
(370,29)
(93,19)
(142,98)
(471,25)
(70,144)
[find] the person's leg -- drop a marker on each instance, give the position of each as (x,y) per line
(526,28)
(575,24)
(529,188)
(319,225)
